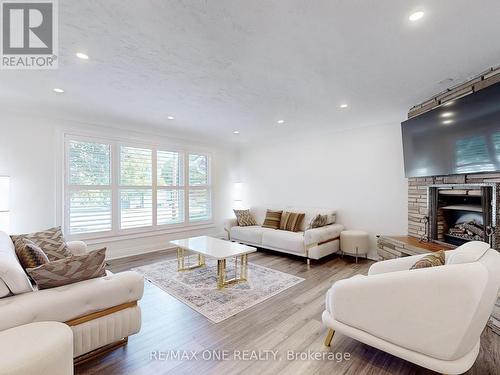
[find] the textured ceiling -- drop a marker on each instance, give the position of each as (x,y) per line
(225,65)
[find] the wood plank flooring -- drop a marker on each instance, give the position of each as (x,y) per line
(289,321)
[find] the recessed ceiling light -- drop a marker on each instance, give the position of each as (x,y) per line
(280,122)
(58,90)
(447,114)
(82,56)
(447,104)
(344,106)
(447,122)
(416,16)
(170,117)
(236,132)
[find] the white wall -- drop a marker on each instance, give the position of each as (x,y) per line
(31,152)
(358,172)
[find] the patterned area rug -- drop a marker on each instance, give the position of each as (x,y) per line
(197,288)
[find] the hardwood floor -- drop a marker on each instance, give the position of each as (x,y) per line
(289,321)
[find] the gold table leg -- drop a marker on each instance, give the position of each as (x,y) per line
(180,261)
(221,271)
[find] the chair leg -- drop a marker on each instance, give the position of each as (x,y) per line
(329,337)
(308,261)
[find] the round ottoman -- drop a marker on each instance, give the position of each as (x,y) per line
(37,348)
(354,242)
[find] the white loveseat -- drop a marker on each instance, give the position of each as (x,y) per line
(430,316)
(102,312)
(309,243)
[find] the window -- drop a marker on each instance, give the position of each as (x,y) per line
(89,187)
(118,188)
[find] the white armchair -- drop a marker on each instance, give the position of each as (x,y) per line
(431,316)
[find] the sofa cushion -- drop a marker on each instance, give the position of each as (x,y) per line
(284,240)
(468,253)
(244,218)
(273,219)
(11,271)
(51,241)
(251,234)
(311,213)
(318,221)
(71,301)
(291,221)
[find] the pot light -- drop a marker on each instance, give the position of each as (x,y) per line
(82,56)
(58,90)
(416,16)
(447,114)
(170,117)
(344,106)
(447,122)
(447,104)
(280,122)
(236,132)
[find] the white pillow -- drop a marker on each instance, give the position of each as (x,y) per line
(468,253)
(11,271)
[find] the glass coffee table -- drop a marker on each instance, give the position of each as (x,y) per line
(215,248)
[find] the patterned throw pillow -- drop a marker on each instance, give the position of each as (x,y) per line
(29,254)
(291,221)
(51,241)
(318,221)
(273,219)
(70,270)
(244,218)
(431,260)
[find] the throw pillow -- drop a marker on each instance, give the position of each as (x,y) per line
(29,254)
(273,219)
(318,221)
(291,221)
(51,241)
(244,218)
(70,270)
(431,260)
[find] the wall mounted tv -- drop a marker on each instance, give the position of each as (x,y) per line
(461,136)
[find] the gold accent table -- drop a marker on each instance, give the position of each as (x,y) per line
(215,248)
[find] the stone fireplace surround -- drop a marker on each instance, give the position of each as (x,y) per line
(418,195)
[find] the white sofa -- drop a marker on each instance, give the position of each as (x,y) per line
(102,312)
(430,316)
(309,243)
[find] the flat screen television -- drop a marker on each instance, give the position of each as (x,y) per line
(461,136)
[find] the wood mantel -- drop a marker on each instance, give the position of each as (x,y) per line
(390,247)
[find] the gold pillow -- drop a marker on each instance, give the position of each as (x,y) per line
(273,219)
(291,221)
(244,218)
(431,260)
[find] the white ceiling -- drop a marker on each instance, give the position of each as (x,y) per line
(225,65)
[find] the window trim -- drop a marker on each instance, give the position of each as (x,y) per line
(116,231)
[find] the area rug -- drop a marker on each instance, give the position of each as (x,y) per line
(197,288)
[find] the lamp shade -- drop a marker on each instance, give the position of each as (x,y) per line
(4,193)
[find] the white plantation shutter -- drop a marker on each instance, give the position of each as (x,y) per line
(136,191)
(112,188)
(199,190)
(89,206)
(170,193)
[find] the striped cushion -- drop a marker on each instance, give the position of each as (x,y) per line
(431,260)
(273,219)
(244,218)
(291,221)
(70,270)
(29,254)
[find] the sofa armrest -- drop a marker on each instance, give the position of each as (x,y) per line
(398,264)
(229,223)
(408,308)
(324,234)
(77,247)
